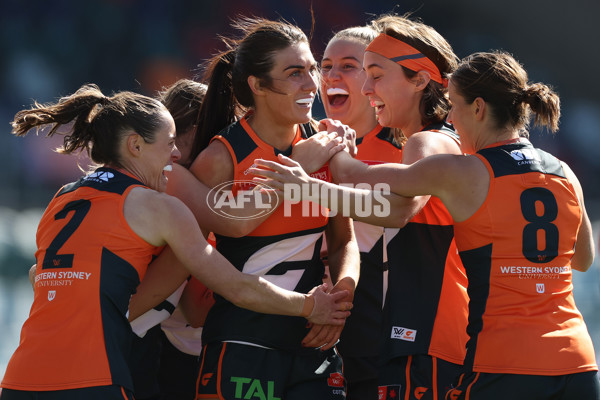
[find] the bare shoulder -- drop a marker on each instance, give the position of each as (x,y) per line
(427,143)
(460,181)
(454,167)
(467,187)
(150,214)
(151,202)
(467,168)
(180,180)
(573,179)
(472,167)
(213,165)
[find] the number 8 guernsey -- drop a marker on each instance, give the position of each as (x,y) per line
(517,260)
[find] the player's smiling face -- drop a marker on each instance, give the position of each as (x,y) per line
(341,84)
(390,92)
(295,82)
(159,155)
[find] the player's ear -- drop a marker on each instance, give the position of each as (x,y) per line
(255,85)
(479,108)
(134,144)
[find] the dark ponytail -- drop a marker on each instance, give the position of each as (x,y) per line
(219,108)
(229,95)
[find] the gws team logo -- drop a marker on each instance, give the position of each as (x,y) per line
(51,295)
(206,378)
(242,200)
(419,392)
(525,156)
(401,333)
(100,176)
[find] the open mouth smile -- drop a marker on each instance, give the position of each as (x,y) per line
(337,96)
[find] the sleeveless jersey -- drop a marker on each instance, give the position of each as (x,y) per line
(517,251)
(425,309)
(284,249)
(362,331)
(89,263)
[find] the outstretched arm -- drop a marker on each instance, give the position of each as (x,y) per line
(290,180)
(212,167)
(173,224)
(401,209)
(461,182)
(215,166)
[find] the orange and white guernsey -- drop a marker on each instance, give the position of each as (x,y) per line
(517,251)
(425,310)
(284,249)
(376,147)
(89,263)
(362,332)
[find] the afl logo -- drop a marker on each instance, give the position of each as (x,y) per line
(242,200)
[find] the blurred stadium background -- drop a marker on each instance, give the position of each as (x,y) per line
(50,48)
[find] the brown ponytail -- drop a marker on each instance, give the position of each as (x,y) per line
(502,82)
(99,122)
(544,103)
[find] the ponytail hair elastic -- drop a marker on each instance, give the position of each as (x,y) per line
(405,55)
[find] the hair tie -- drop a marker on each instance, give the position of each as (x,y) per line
(405,55)
(524,96)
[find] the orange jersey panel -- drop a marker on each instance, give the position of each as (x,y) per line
(426,272)
(89,263)
(278,222)
(284,249)
(517,250)
(362,333)
(378,146)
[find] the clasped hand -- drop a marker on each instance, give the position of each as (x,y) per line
(325,336)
